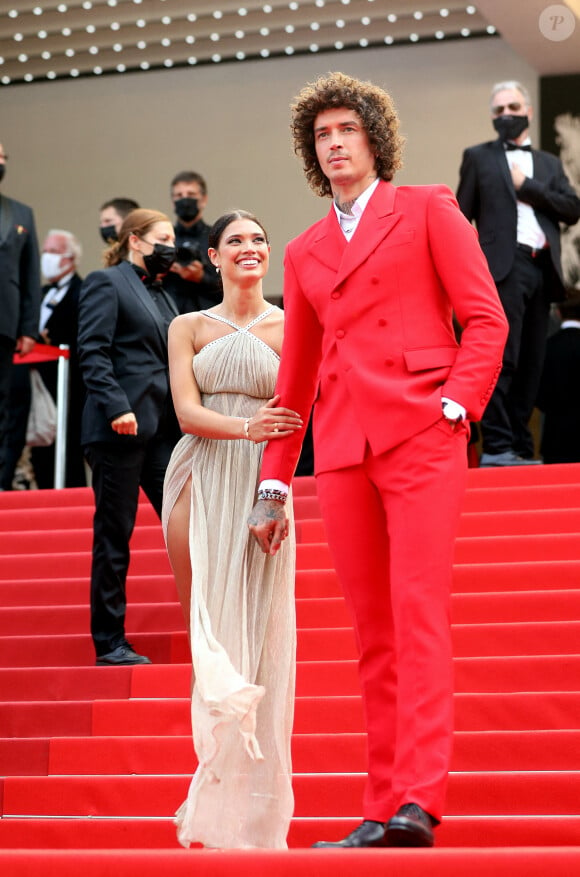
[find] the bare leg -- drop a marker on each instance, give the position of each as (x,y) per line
(178,549)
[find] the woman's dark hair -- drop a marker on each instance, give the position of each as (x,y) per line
(137,222)
(373,106)
(218,228)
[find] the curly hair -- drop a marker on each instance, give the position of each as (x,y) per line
(375,109)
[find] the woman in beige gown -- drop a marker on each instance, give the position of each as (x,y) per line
(237,601)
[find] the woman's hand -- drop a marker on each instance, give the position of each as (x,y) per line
(126,424)
(270,422)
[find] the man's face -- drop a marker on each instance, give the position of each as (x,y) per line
(57,246)
(108,217)
(343,149)
(509,102)
(189,190)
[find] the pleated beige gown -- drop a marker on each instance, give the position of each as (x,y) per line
(243,626)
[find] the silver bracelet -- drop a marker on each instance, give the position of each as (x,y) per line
(247,428)
(271,493)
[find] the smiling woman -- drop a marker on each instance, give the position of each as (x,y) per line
(238,604)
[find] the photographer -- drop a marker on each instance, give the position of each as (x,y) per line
(193,281)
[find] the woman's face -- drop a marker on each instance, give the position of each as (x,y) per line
(159,233)
(243,252)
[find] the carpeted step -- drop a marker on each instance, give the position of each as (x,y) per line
(514,862)
(516,522)
(320,753)
(314,644)
(148,833)
(75,590)
(312,612)
(471,793)
(314,678)
(485,711)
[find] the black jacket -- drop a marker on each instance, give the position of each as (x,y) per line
(122,344)
(487,196)
(19,270)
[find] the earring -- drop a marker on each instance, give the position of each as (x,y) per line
(217,269)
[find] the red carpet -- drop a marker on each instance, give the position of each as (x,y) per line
(95,760)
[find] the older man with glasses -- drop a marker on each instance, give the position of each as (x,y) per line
(517,196)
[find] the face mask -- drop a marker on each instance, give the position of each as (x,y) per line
(50,265)
(186,208)
(510,127)
(2,171)
(108,233)
(160,260)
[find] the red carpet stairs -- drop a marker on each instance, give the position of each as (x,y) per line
(96,759)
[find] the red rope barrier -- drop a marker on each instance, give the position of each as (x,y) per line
(41,353)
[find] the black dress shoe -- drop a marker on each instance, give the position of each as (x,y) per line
(123,654)
(367,834)
(410,827)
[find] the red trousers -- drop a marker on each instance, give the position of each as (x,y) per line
(391,524)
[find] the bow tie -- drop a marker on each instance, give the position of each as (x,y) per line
(509,146)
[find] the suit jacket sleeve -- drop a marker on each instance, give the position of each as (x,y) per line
(98,314)
(553,195)
(464,274)
(467,191)
(297,378)
(29,280)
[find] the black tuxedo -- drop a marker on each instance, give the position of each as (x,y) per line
(559,398)
(19,294)
(123,355)
(62,328)
(526,284)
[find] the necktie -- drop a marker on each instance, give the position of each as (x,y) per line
(509,146)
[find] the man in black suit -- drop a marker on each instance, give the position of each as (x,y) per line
(19,294)
(58,324)
(59,320)
(517,196)
(559,394)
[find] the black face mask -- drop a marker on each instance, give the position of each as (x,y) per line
(2,171)
(108,233)
(186,208)
(510,127)
(160,260)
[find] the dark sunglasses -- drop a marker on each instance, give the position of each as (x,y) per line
(514,107)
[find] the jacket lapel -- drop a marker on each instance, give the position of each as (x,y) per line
(5,217)
(376,223)
(500,157)
(138,291)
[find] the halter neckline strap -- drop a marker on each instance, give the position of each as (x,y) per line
(235,325)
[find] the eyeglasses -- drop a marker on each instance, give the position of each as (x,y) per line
(514,107)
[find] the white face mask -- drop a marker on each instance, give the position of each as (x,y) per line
(50,265)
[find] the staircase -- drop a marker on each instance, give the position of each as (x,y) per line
(95,760)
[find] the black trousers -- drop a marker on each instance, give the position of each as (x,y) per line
(118,470)
(14,408)
(526,301)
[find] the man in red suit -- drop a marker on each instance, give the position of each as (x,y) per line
(369,294)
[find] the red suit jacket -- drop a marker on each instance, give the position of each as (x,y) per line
(369,328)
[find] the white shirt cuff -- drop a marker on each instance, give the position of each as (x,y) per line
(452,410)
